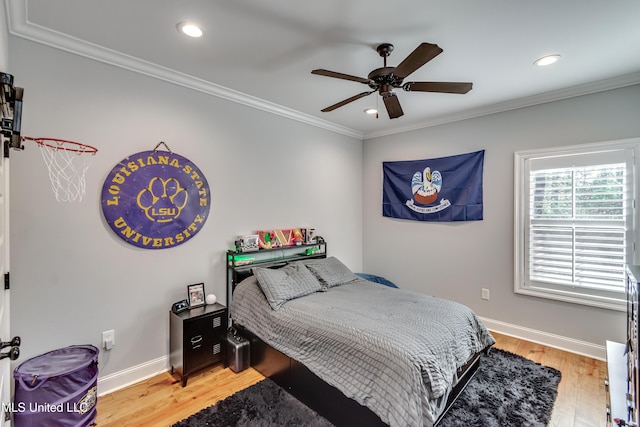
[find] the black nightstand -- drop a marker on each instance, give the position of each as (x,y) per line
(197,339)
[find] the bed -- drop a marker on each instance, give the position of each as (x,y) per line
(359,353)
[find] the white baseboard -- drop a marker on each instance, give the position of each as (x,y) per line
(121,379)
(583,348)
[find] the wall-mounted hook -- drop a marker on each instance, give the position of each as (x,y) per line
(12,354)
(15,342)
(163,143)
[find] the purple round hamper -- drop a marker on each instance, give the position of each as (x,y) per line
(58,388)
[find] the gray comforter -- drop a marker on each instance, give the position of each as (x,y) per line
(394,351)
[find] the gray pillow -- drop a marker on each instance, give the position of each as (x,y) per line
(331,271)
(286,283)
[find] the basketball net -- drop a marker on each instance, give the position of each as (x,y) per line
(67,162)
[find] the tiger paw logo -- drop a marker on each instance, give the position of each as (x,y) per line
(163,199)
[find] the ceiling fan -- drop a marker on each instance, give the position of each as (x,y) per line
(385,79)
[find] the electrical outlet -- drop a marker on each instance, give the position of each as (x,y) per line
(485,293)
(108,339)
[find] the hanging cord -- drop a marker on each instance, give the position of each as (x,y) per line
(166,146)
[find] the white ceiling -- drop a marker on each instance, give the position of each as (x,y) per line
(261,53)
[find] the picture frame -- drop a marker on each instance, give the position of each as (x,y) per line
(195,295)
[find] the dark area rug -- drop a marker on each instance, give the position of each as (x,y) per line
(262,404)
(507,390)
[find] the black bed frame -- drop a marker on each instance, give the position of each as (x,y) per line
(307,387)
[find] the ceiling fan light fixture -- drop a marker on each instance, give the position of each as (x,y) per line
(190,29)
(384,80)
(547,60)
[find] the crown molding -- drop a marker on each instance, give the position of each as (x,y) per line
(20,26)
(543,98)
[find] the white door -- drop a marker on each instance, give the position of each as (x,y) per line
(5,363)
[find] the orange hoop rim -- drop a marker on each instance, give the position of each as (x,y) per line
(63,144)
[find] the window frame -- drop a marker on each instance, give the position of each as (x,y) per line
(521,220)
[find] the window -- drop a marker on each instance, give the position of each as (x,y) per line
(575,222)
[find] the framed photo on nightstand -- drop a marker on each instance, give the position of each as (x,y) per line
(196,295)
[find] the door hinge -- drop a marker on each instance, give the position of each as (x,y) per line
(7,282)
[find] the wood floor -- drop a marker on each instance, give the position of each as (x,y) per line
(161,401)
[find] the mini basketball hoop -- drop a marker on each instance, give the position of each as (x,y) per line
(67,162)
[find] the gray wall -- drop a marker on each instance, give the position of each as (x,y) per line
(73,278)
(4,42)
(457,260)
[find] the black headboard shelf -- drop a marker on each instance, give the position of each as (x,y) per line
(239,264)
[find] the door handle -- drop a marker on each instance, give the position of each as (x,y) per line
(15,342)
(12,354)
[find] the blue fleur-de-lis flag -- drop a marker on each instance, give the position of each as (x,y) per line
(442,189)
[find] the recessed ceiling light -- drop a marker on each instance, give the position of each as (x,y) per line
(371,111)
(192,30)
(547,60)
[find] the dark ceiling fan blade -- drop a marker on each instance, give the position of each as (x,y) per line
(346,101)
(444,87)
(416,59)
(328,73)
(393,106)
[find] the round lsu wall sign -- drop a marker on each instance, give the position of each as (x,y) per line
(155,199)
